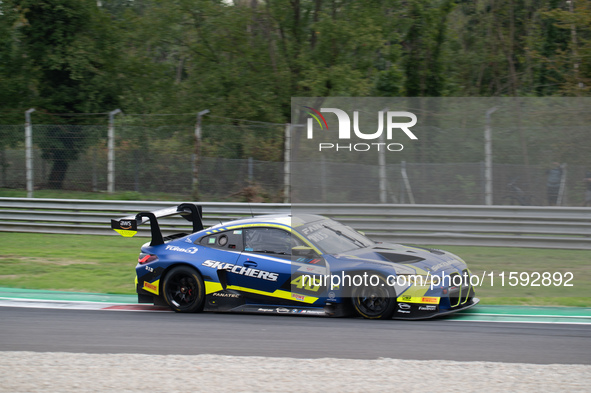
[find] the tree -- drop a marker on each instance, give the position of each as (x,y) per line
(573,24)
(72,52)
(15,85)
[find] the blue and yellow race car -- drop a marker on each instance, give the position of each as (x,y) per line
(293,264)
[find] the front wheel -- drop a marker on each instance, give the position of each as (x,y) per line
(184,290)
(375,301)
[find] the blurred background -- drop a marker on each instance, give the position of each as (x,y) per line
(163,62)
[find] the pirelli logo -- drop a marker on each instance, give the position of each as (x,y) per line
(433,300)
(151,287)
(419,299)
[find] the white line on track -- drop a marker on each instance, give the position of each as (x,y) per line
(77,305)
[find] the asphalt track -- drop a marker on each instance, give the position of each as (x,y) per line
(89,331)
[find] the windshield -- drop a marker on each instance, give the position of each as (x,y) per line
(332,237)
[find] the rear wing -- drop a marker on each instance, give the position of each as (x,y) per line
(127,226)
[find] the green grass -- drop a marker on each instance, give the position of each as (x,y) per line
(80,263)
(105,264)
(529,260)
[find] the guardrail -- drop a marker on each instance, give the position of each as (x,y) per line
(509,226)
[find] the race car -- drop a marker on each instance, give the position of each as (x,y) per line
(292,264)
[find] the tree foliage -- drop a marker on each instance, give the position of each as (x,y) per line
(245,59)
(69,54)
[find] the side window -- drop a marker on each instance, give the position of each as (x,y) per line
(269,240)
(228,240)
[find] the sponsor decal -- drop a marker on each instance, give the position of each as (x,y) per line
(427,308)
(404,306)
(189,240)
(150,287)
(434,300)
(190,250)
(312,269)
(313,312)
(282,310)
(265,310)
(403,311)
(225,294)
(298,297)
(418,299)
(311,228)
(331,296)
(125,224)
(241,270)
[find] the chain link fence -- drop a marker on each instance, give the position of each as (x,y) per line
(429,183)
(150,160)
(241,162)
(465,151)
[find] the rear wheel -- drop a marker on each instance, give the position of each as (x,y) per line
(375,301)
(184,290)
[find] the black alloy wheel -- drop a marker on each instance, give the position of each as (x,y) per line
(375,301)
(184,290)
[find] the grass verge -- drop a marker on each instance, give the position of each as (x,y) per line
(494,263)
(81,263)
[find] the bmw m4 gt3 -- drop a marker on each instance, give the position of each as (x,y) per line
(300,264)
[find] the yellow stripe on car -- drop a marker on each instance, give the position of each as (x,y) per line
(211,287)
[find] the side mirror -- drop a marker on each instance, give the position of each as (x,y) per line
(303,251)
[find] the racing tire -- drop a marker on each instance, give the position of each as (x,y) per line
(183,290)
(374,301)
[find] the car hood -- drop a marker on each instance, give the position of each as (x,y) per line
(403,259)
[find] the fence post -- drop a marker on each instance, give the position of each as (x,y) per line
(382,169)
(111,152)
(29,151)
(562,190)
(411,197)
(94,176)
(488,177)
(287,164)
(323,178)
(250,171)
(3,181)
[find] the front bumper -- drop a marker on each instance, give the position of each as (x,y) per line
(425,311)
